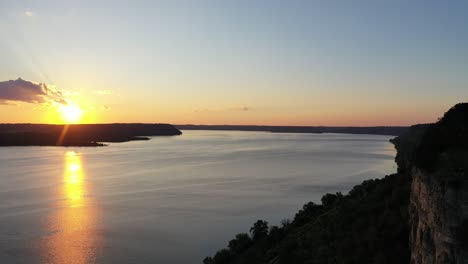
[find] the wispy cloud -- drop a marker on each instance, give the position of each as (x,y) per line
(29,92)
(242,108)
(199,110)
(104,92)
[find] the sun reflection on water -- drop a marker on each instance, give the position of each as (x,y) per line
(73,179)
(73,237)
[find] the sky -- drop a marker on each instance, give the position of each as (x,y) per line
(333,63)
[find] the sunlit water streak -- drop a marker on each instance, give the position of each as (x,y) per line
(170,199)
(72,237)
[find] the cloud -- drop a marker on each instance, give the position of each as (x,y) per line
(28,13)
(25,91)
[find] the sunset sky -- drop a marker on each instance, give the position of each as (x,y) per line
(232,62)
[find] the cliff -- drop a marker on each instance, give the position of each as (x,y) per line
(417,215)
(438,208)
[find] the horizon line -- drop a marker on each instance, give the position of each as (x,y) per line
(212,125)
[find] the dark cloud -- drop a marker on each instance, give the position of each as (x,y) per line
(28,92)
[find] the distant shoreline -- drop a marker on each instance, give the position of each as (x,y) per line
(96,135)
(375,130)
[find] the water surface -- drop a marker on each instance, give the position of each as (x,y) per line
(170,199)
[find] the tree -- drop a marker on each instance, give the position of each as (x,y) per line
(275,234)
(240,243)
(259,230)
(208,260)
(222,256)
(329,199)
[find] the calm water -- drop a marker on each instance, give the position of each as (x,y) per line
(170,199)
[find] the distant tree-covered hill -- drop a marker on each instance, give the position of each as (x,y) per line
(79,135)
(376,130)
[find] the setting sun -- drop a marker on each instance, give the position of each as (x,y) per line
(71,113)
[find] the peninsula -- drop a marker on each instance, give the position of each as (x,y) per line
(80,135)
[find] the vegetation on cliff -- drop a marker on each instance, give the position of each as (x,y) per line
(368,225)
(450,132)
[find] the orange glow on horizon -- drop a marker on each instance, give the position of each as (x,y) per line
(86,111)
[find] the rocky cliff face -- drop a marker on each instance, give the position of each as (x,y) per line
(438,214)
(438,166)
